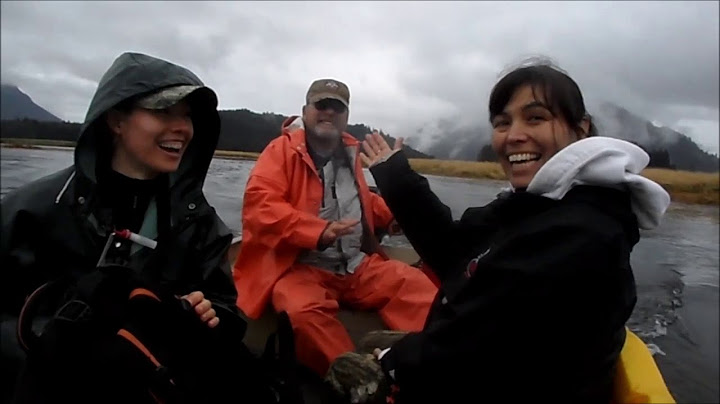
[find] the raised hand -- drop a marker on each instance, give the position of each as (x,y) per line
(376,148)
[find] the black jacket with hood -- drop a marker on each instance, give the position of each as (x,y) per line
(57,225)
(535,287)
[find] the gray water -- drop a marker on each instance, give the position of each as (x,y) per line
(675,265)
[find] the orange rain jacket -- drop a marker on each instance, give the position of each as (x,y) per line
(280,214)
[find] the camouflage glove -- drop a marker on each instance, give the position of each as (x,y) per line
(378,339)
(358,378)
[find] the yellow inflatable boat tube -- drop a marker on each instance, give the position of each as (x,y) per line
(638,379)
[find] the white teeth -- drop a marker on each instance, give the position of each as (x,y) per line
(172,145)
(514,158)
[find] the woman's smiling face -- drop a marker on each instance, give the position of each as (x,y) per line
(526,134)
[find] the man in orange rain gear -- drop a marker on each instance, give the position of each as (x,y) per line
(308,235)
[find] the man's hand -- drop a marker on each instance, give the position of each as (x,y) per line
(376,148)
(337,229)
(203,308)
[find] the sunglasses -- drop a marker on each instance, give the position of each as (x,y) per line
(330,103)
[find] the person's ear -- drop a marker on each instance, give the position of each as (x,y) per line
(584,128)
(115,120)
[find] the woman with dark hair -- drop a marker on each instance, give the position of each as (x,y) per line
(536,286)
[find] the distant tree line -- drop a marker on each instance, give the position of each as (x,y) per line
(244,130)
(240,130)
(32,129)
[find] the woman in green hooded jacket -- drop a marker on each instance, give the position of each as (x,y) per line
(132,199)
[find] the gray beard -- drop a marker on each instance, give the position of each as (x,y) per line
(323,144)
(326,136)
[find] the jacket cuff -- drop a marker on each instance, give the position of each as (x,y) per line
(401,357)
(308,231)
(388,171)
(384,159)
(387,363)
(320,246)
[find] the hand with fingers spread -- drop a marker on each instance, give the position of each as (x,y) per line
(203,308)
(337,229)
(377,149)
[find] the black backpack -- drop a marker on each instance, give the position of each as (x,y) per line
(118,339)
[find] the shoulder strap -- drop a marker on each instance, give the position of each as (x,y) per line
(369,243)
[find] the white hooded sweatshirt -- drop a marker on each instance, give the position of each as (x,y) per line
(608,162)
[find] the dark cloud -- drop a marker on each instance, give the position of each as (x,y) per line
(409,65)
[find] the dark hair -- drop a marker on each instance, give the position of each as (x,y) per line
(105,139)
(561,94)
(125,107)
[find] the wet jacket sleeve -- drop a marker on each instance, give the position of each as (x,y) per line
(212,255)
(18,255)
(20,271)
(426,222)
(382,216)
(535,283)
(268,216)
(14,251)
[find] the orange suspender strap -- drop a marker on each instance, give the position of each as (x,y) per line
(139,345)
(143,292)
(156,398)
(23,322)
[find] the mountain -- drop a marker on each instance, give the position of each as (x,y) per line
(241,129)
(14,104)
(453,141)
(683,152)
(246,130)
(667,148)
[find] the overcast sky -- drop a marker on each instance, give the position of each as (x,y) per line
(407,64)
